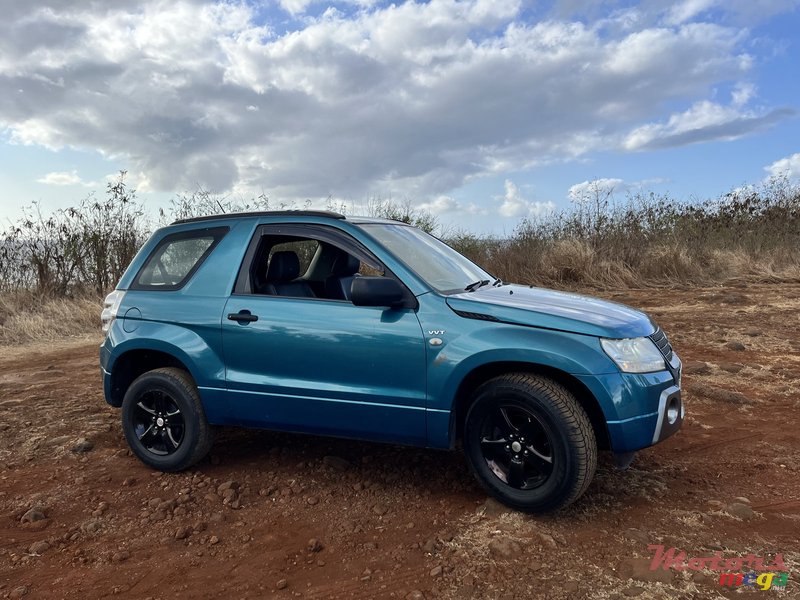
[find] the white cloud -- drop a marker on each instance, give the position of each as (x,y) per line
(591,189)
(706,121)
(686,10)
(447,205)
(514,205)
(788,167)
(64,178)
(406,100)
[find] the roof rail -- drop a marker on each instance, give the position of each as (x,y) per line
(263,213)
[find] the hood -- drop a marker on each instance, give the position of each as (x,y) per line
(539,307)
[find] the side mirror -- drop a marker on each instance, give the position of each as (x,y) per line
(376,291)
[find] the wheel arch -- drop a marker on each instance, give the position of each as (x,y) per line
(487,371)
(133,363)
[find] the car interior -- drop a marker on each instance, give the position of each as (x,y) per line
(305,268)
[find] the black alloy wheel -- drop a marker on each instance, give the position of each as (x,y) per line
(158,423)
(529,442)
(164,421)
(516,447)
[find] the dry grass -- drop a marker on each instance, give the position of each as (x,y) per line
(26,317)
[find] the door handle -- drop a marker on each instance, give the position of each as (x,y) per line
(243,316)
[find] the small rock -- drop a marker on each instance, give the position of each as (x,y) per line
(723,395)
(436,571)
(213,540)
(228,485)
(39,547)
(33,515)
(504,547)
(281,585)
(312,500)
(636,535)
(19,592)
(570,587)
(740,511)
(314,545)
(639,569)
(121,556)
(336,462)
(753,332)
(129,481)
(548,540)
(415,595)
(182,533)
(742,499)
(92,527)
(492,508)
(380,510)
(735,346)
(633,591)
(696,368)
(82,446)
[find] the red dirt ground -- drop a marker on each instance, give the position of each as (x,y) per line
(397,522)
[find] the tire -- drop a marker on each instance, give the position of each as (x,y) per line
(164,421)
(529,442)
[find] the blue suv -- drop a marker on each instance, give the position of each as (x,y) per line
(312,322)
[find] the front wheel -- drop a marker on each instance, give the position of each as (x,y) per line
(164,421)
(529,442)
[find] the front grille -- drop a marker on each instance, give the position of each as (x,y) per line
(660,340)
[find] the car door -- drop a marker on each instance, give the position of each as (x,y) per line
(323,366)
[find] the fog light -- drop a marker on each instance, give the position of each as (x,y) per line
(673,410)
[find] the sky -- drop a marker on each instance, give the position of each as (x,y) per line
(482,112)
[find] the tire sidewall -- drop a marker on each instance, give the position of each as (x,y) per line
(167,384)
(558,485)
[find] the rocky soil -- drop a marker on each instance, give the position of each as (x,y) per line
(286,516)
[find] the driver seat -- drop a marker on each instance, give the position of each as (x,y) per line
(282,271)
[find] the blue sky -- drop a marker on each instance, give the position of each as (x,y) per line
(484,112)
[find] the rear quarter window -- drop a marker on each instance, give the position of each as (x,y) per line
(173,262)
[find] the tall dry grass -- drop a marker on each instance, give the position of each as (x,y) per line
(752,234)
(27,317)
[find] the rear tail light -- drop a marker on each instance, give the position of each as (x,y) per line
(110,308)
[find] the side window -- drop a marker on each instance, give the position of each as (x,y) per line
(176,258)
(304,262)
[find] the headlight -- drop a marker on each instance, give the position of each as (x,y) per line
(634,355)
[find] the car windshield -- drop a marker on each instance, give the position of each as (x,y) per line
(438,264)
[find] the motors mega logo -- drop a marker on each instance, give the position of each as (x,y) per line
(748,571)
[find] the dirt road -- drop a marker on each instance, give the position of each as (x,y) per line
(283,516)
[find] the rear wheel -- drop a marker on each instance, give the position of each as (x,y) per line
(529,442)
(164,421)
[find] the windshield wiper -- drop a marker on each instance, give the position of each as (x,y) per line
(476,284)
(498,282)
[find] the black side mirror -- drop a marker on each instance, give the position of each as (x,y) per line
(376,291)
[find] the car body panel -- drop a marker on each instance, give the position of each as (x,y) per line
(323,366)
(339,369)
(550,309)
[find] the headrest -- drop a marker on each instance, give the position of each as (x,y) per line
(345,265)
(283,266)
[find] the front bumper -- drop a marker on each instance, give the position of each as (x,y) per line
(640,410)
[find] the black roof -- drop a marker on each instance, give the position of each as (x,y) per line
(264,213)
